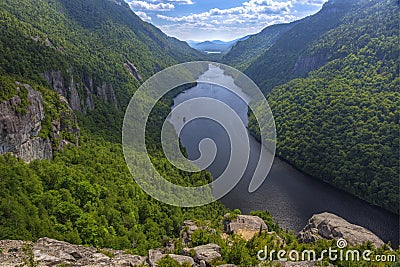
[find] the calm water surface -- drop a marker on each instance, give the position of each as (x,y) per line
(291,196)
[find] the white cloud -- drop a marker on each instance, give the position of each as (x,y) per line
(270,5)
(142,5)
(143,16)
(207,32)
(264,10)
(232,27)
(249,17)
(311,2)
(182,2)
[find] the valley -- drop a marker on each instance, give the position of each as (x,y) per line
(68,69)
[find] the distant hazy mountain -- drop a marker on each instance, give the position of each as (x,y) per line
(215,46)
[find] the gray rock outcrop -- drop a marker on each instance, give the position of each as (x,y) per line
(133,70)
(49,252)
(305,64)
(331,226)
(155,255)
(20,127)
(107,94)
(21,122)
(81,95)
(243,222)
(205,253)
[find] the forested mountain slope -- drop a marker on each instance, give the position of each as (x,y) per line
(341,122)
(244,52)
(284,60)
(95,53)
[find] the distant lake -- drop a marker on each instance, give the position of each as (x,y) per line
(291,196)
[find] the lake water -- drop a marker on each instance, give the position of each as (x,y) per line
(291,196)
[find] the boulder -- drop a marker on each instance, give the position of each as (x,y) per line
(187,229)
(155,255)
(331,226)
(207,253)
(245,225)
(181,259)
(12,252)
(122,259)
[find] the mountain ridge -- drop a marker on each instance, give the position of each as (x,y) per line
(215,46)
(342,113)
(334,98)
(82,52)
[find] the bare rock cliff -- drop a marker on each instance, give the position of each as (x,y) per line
(21,122)
(81,95)
(20,127)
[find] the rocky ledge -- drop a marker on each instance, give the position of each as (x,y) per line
(50,252)
(244,225)
(330,226)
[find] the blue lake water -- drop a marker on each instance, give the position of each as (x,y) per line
(291,196)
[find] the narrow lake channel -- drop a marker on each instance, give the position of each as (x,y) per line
(291,196)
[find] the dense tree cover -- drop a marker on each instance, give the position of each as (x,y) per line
(284,60)
(8,88)
(341,123)
(86,195)
(243,53)
(91,41)
(90,198)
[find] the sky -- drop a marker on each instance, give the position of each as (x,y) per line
(201,20)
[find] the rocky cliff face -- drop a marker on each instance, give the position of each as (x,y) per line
(56,81)
(21,122)
(133,70)
(305,64)
(20,127)
(80,95)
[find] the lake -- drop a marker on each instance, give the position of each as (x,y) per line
(291,196)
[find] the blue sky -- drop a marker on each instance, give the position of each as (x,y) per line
(220,19)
